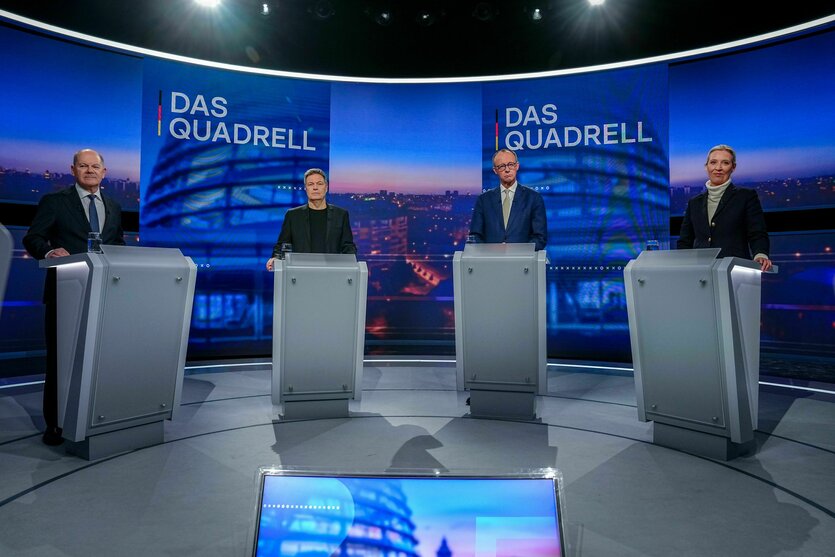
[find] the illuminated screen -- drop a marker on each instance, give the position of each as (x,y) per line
(223,157)
(309,516)
(216,158)
(775,109)
(44,123)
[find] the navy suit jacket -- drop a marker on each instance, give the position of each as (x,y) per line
(527,221)
(738,226)
(60,222)
(296,230)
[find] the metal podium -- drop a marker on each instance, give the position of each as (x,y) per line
(318,333)
(694,324)
(5,261)
(123,324)
(500,336)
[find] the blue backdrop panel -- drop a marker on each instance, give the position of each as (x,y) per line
(775,109)
(223,156)
(595,146)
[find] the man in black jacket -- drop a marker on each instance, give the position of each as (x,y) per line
(61,227)
(317,227)
(725,216)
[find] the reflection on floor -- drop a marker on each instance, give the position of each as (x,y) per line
(195,494)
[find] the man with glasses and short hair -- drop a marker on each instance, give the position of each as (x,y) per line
(509,213)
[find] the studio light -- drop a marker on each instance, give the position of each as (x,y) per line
(383,17)
(536,14)
(265,9)
(321,9)
(596,2)
(208,3)
(382,13)
(425,18)
(485,11)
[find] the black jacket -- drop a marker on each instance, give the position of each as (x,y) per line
(296,230)
(60,222)
(738,226)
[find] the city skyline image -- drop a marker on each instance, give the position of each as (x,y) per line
(417,139)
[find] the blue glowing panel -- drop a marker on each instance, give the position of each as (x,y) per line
(595,146)
(63,98)
(409,517)
(406,162)
(798,303)
(775,109)
(223,155)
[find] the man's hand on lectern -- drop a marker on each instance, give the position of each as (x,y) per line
(57,252)
(765,263)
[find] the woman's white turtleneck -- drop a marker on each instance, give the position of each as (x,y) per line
(714,194)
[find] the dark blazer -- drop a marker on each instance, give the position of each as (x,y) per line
(296,230)
(60,222)
(738,226)
(527,221)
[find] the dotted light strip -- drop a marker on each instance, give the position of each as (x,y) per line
(585,268)
(302,507)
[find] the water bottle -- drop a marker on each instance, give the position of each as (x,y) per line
(653,245)
(286,248)
(94,242)
(472,239)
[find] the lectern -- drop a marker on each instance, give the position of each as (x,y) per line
(500,336)
(123,323)
(694,325)
(5,261)
(318,333)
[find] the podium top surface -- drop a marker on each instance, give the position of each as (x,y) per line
(706,257)
(491,250)
(658,258)
(332,260)
(119,254)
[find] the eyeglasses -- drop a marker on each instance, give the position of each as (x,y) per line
(509,166)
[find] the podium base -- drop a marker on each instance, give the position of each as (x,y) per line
(699,443)
(502,404)
(115,442)
(315,409)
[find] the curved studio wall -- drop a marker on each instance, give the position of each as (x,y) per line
(211,157)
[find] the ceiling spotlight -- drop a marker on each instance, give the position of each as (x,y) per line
(430,14)
(209,3)
(485,11)
(425,18)
(265,8)
(536,14)
(381,12)
(383,17)
(596,2)
(322,9)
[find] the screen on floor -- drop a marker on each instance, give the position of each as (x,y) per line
(322,516)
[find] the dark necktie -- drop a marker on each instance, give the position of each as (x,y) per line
(94,214)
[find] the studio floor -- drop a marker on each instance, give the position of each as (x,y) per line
(195,494)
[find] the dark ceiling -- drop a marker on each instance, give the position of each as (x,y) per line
(420,38)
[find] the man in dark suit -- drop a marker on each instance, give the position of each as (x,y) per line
(509,213)
(725,216)
(61,227)
(318,226)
